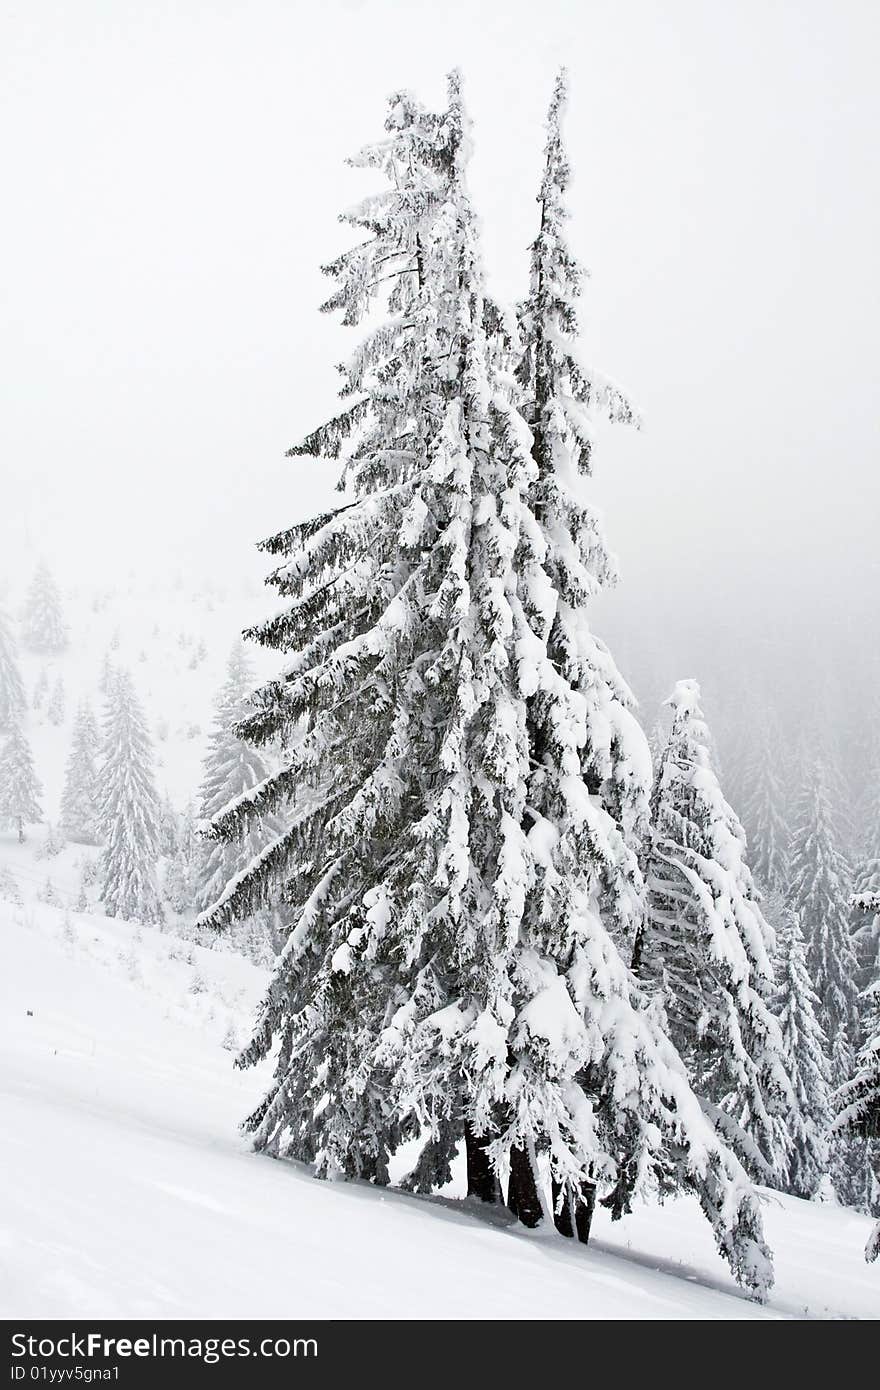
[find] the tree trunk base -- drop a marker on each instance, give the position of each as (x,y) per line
(522,1194)
(583,1216)
(481,1179)
(575,1216)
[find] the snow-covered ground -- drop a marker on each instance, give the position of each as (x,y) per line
(130,1193)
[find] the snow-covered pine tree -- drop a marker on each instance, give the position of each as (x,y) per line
(858,1098)
(463,766)
(20,789)
(80,797)
(232,767)
(43,625)
(12,697)
(847,1153)
(767,834)
(865,919)
(820,881)
(806,1051)
(706,946)
(129,809)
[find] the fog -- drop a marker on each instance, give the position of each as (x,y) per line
(172,176)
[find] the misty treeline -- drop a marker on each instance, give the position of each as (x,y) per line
(587,950)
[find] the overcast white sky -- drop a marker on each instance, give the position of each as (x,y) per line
(171,174)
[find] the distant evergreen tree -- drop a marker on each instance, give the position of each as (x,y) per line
(82,898)
(232,768)
(169,828)
(706,945)
(819,894)
(463,764)
(43,625)
(20,789)
(9,890)
(108,671)
(767,834)
(12,697)
(129,810)
(808,1122)
(55,710)
(41,688)
(80,798)
(180,872)
(53,844)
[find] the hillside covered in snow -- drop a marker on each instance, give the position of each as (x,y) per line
(132,1194)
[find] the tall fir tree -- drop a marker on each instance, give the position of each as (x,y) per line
(858,1101)
(819,895)
(129,810)
(767,834)
(13,700)
(43,625)
(20,788)
(464,768)
(706,946)
(232,768)
(808,1122)
(80,797)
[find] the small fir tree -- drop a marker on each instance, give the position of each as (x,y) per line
(129,810)
(706,946)
(43,625)
(81,797)
(20,788)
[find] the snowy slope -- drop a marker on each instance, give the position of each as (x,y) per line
(132,1193)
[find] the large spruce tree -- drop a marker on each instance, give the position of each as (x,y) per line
(129,810)
(465,776)
(706,946)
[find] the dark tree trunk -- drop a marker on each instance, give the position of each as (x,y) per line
(583,1213)
(481,1180)
(522,1194)
(562,1215)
